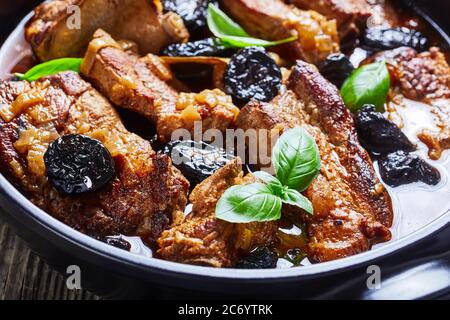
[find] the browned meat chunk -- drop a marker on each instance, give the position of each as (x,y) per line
(351,15)
(354,16)
(145,197)
(424,77)
(144,86)
(204,240)
(352,210)
(53,31)
(420,76)
(275,20)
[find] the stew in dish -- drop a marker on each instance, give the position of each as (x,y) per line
(233,133)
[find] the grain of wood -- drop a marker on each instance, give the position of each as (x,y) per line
(23,275)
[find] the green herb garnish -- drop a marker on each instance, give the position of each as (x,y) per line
(368,84)
(248,203)
(50,68)
(296,159)
(232,34)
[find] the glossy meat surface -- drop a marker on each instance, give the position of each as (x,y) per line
(53,31)
(147,195)
(146,85)
(352,210)
(204,240)
(421,76)
(351,15)
(275,20)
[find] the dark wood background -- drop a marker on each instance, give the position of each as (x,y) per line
(23,275)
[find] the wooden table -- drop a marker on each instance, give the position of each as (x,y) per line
(23,275)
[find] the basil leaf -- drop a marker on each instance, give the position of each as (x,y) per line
(50,68)
(296,159)
(272,182)
(289,196)
(243,42)
(248,203)
(220,24)
(295,198)
(232,34)
(266,177)
(368,84)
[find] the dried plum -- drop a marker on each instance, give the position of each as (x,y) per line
(209,47)
(77,164)
(379,135)
(336,68)
(380,38)
(261,258)
(193,12)
(196,160)
(401,168)
(252,74)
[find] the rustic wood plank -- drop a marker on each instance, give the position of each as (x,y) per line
(23,275)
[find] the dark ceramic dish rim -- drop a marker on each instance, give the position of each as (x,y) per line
(13,201)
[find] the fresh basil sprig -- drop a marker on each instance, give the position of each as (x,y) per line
(368,84)
(248,203)
(232,34)
(296,159)
(295,198)
(287,195)
(50,68)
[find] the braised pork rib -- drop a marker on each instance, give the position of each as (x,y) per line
(352,210)
(63,28)
(275,20)
(204,240)
(423,77)
(147,195)
(146,85)
(351,15)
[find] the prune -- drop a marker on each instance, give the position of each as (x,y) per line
(379,135)
(336,68)
(196,160)
(118,242)
(209,47)
(252,74)
(76,164)
(401,168)
(379,38)
(261,258)
(193,12)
